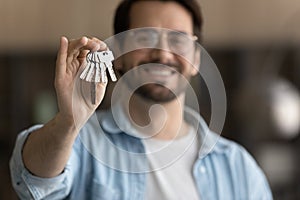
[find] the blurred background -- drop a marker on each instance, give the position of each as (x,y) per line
(255,44)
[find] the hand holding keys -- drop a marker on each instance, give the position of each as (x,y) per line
(95,70)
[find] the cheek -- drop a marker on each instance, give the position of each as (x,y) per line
(186,67)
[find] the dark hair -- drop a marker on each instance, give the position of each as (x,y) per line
(122,18)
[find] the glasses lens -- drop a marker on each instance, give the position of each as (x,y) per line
(179,42)
(145,38)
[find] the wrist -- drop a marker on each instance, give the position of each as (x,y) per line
(66,123)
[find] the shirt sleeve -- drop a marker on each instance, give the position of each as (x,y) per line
(29,186)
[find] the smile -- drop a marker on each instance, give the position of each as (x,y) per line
(160,71)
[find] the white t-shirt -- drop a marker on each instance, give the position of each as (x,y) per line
(172,164)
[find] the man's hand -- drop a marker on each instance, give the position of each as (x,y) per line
(73,94)
(47,150)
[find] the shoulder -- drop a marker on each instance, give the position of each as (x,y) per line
(235,153)
(233,159)
(227,146)
(230,157)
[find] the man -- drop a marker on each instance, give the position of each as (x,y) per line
(75,157)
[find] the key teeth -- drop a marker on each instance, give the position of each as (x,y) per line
(105,78)
(114,79)
(84,72)
(95,70)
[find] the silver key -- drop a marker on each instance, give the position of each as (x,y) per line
(103,72)
(98,72)
(92,74)
(95,71)
(93,92)
(88,67)
(107,57)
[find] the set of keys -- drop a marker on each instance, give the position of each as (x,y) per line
(95,70)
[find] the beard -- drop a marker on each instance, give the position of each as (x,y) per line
(156,90)
(164,96)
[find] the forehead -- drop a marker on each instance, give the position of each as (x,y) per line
(161,14)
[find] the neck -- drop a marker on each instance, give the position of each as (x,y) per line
(161,121)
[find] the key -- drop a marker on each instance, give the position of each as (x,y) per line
(95,70)
(107,57)
(98,72)
(95,77)
(91,74)
(89,69)
(92,77)
(93,93)
(83,75)
(102,69)
(103,72)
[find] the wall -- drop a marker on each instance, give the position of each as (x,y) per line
(35,24)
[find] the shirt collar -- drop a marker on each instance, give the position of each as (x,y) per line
(111,121)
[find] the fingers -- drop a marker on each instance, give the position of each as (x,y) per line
(84,43)
(79,48)
(76,45)
(72,53)
(91,46)
(103,46)
(62,55)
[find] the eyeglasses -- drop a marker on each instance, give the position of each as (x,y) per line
(178,42)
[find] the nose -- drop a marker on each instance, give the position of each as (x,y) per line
(162,51)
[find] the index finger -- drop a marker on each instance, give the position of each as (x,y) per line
(85,49)
(85,43)
(76,44)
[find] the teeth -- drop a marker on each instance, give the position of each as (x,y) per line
(160,72)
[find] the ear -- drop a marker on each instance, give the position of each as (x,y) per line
(197,60)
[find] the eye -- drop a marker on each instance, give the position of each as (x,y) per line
(177,39)
(142,36)
(145,37)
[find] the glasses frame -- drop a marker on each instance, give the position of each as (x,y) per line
(162,33)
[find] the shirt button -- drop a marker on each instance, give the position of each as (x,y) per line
(202,169)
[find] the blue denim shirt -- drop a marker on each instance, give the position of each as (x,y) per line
(107,163)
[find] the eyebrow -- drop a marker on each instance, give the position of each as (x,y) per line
(181,32)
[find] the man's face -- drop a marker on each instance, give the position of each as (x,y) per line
(161,65)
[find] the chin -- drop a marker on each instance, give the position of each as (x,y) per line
(164,95)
